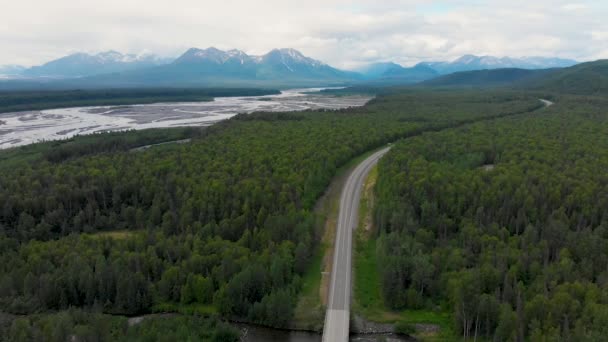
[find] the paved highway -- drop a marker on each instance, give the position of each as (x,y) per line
(337,317)
(547,103)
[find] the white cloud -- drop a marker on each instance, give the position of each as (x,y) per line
(599,35)
(340,32)
(575,7)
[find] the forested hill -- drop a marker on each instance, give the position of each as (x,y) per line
(484,78)
(583,79)
(223,224)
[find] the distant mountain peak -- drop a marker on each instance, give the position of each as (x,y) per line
(286,52)
(81,64)
(110,54)
(235,52)
(213,55)
(466,59)
(289,56)
(472,62)
(293,53)
(211,51)
(191,51)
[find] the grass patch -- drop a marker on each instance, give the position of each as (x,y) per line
(367,294)
(368,297)
(309,314)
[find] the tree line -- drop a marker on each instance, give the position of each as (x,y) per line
(14,101)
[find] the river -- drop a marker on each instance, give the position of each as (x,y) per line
(22,128)
(253,333)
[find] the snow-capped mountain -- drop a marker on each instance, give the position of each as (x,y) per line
(472,62)
(213,56)
(290,59)
(279,67)
(213,67)
(83,64)
(276,64)
(292,63)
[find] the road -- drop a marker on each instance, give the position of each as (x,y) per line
(143,148)
(337,317)
(547,103)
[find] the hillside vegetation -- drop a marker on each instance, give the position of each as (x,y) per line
(583,79)
(484,78)
(503,223)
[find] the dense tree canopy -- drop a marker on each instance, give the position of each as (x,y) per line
(503,221)
(224,221)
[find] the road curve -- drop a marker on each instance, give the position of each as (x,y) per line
(337,317)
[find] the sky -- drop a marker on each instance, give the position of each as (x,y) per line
(344,34)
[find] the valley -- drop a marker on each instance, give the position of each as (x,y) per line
(253,171)
(23,128)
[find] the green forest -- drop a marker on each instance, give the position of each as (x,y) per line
(220,226)
(90,327)
(503,223)
(14,101)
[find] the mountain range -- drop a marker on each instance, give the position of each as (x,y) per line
(278,63)
(214,67)
(194,68)
(395,73)
(471,62)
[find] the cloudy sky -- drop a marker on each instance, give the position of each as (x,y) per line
(342,33)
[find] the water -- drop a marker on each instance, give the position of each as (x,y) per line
(253,333)
(21,128)
(257,333)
